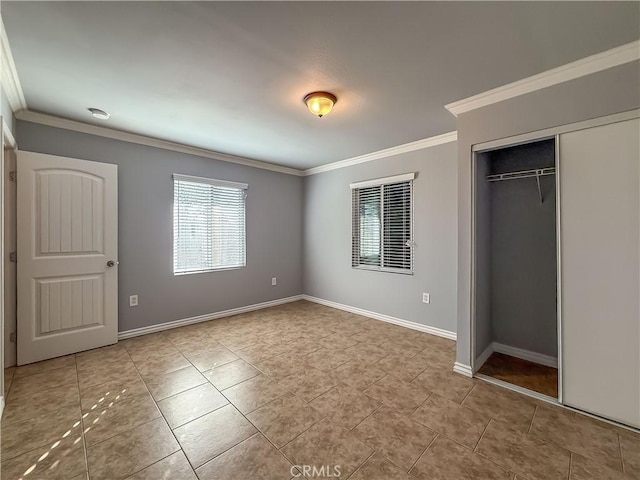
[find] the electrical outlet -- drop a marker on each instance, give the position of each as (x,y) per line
(274,281)
(133,301)
(425,298)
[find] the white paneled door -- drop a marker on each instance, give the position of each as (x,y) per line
(67,256)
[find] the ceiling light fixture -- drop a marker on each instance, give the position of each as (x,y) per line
(97,113)
(320,103)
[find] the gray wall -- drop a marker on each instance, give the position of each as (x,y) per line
(610,91)
(327,238)
(523,251)
(145,228)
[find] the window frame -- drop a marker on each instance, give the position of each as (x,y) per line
(176,177)
(355,223)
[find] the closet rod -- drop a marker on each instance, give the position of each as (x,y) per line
(537,173)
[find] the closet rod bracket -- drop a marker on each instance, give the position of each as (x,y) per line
(539,187)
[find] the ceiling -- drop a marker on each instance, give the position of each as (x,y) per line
(230,76)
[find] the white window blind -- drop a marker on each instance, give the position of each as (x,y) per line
(382,224)
(208,224)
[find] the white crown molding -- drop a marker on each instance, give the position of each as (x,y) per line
(387,152)
(627,53)
(385,318)
(53,121)
(9,74)
(8,139)
(136,332)
(67,124)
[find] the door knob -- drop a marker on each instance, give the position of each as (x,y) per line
(111,263)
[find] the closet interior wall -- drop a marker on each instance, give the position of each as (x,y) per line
(516,264)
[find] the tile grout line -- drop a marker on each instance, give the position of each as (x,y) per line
(467,395)
(195,418)
(503,467)
(297,436)
(84,440)
(433,440)
(482,435)
(258,432)
(370,415)
(374,451)
(413,412)
(13,378)
(225,450)
(146,466)
(621,453)
(279,450)
(6,397)
(532,419)
(570,464)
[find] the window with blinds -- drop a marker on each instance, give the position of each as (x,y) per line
(208,224)
(382,224)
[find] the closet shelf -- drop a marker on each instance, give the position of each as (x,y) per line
(536,173)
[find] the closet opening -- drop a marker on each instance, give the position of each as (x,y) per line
(515,266)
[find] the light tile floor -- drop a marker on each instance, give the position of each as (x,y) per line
(253,396)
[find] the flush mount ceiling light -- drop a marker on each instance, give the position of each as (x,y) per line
(98,113)
(320,103)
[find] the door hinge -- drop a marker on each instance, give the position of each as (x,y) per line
(12,337)
(13,257)
(12,175)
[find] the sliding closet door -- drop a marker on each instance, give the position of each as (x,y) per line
(600,246)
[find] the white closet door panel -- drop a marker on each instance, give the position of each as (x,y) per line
(600,241)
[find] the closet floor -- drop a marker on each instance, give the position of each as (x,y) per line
(539,378)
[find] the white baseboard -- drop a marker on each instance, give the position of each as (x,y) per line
(385,318)
(1,405)
(462,369)
(534,357)
(520,353)
(136,332)
(484,356)
(249,308)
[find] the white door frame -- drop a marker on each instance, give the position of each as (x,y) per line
(7,142)
(545,134)
(477,149)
